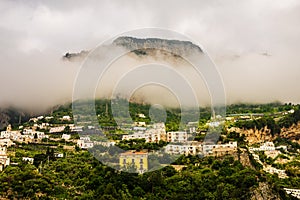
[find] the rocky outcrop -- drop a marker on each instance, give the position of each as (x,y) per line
(12,116)
(292,133)
(75,56)
(254,135)
(264,192)
(244,158)
(138,45)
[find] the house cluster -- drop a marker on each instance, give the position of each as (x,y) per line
(85,142)
(293,192)
(27,135)
(63,118)
(154,134)
(57,129)
(270,150)
(4,159)
(268,146)
(195,148)
(60,129)
(177,136)
(18,136)
(179,143)
(220,149)
(187,148)
(32,134)
(243,116)
(6,142)
(272,170)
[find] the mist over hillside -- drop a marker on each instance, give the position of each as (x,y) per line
(253,44)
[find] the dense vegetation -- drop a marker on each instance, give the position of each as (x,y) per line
(80,176)
(268,121)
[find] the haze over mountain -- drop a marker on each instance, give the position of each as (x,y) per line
(254,44)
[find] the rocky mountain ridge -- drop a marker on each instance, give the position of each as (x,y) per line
(141,46)
(177,47)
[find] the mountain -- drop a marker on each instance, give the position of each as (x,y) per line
(177,46)
(12,115)
(141,46)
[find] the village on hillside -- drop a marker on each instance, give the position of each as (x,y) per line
(27,142)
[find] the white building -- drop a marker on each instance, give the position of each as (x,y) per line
(10,134)
(272,170)
(6,142)
(293,192)
(58,155)
(86,138)
(40,117)
(141,115)
(187,148)
(106,144)
(85,142)
(148,136)
(34,119)
(139,128)
(4,159)
(66,118)
(76,128)
(39,134)
(213,124)
(267,146)
(192,129)
(58,129)
(210,148)
(139,123)
(43,125)
(281,147)
(177,136)
(154,134)
(66,136)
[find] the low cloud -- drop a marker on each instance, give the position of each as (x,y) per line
(34,35)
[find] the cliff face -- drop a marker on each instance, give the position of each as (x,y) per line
(292,133)
(263,192)
(244,159)
(12,116)
(254,135)
(257,136)
(176,46)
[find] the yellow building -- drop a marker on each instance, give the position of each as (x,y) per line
(137,159)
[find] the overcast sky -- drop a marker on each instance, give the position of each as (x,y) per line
(254,43)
